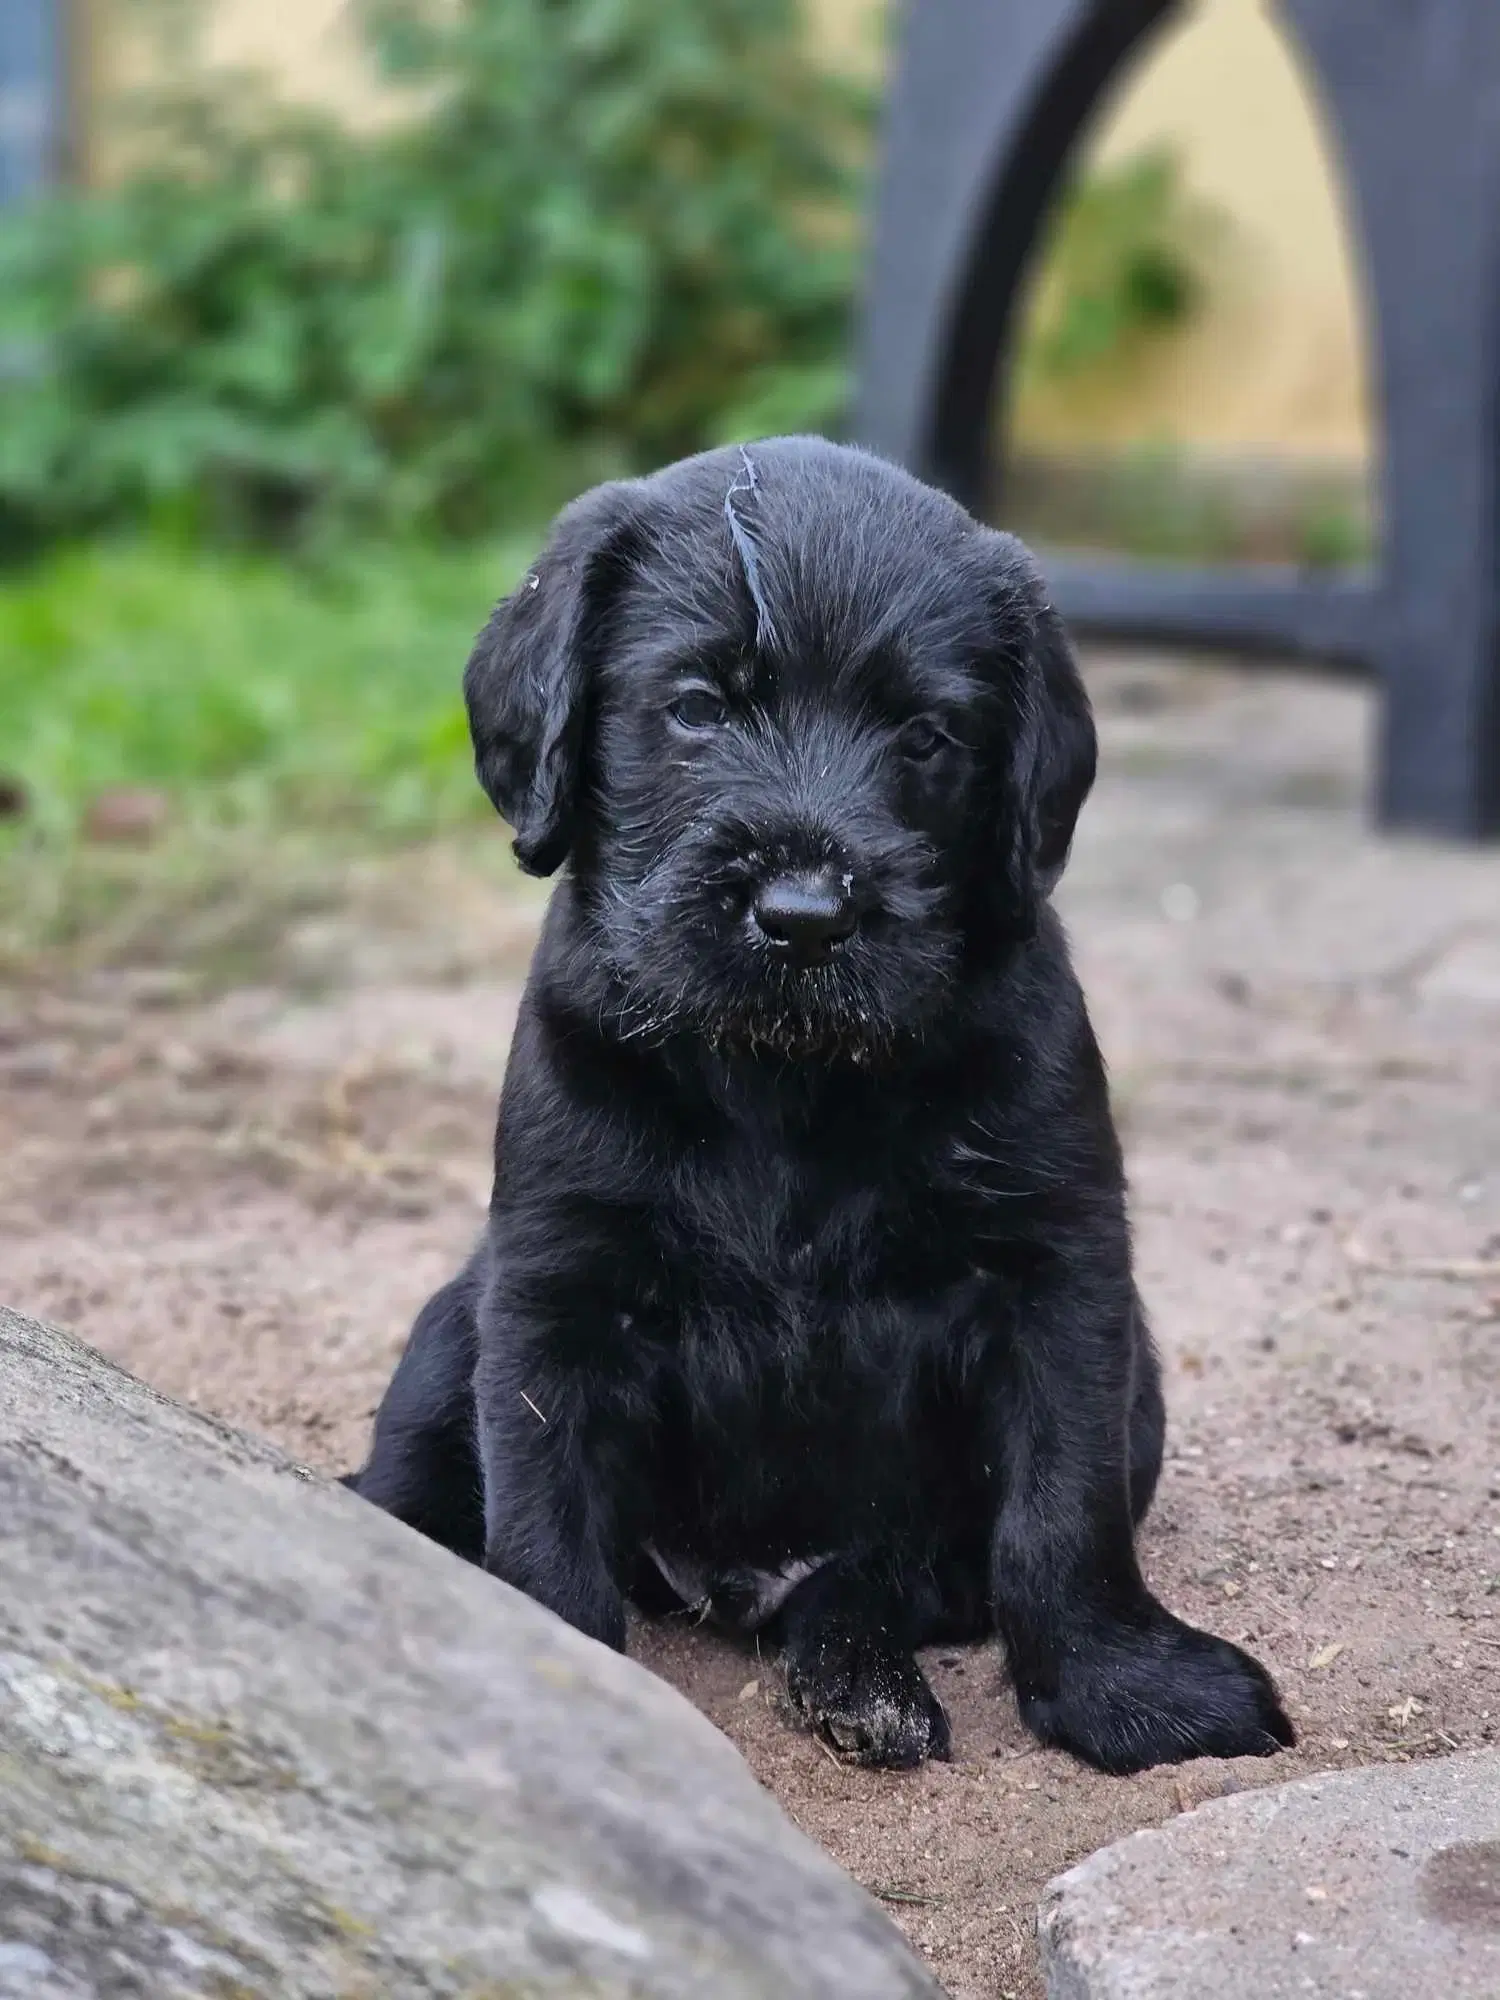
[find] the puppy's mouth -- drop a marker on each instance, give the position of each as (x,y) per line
(855,996)
(800,1032)
(810,957)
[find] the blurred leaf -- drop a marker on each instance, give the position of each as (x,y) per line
(1126,260)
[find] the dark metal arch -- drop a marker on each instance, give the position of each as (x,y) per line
(989,99)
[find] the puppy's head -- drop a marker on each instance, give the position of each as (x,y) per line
(813,740)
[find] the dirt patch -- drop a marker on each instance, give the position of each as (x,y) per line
(246,1202)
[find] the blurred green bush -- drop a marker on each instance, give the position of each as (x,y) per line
(606,232)
(610,231)
(1127,260)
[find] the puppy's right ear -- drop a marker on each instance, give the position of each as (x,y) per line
(527,682)
(1051,746)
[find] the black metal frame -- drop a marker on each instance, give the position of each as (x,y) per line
(988,101)
(31,95)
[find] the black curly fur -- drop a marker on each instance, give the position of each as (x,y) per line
(807,1286)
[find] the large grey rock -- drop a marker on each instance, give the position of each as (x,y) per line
(1382,1884)
(258,1740)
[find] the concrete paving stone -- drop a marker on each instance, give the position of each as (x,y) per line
(1379,1884)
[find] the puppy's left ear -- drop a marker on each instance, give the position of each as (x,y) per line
(1058,774)
(527,682)
(1054,749)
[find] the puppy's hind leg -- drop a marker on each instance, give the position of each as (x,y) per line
(424,1463)
(849,1633)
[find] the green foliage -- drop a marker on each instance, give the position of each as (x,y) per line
(253,692)
(1333,534)
(609,231)
(1125,262)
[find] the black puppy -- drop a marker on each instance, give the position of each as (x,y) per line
(806,1293)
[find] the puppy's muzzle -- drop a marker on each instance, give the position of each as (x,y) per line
(807,915)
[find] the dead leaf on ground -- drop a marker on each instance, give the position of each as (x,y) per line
(126,814)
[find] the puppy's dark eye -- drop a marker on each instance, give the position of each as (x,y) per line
(699,708)
(921,739)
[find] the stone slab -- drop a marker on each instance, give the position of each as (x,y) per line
(258,1740)
(1379,1884)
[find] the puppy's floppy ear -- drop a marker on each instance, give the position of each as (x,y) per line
(1054,748)
(527,683)
(1064,750)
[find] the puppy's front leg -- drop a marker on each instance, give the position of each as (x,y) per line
(1100,1667)
(848,1633)
(549,1520)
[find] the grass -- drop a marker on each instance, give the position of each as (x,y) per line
(1159,503)
(281,713)
(246,690)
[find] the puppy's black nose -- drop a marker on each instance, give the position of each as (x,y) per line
(808,914)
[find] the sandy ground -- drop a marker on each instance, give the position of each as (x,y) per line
(245,1202)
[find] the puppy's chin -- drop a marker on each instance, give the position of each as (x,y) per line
(799,1034)
(860,1008)
(828,1036)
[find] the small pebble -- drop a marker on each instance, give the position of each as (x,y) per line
(128,814)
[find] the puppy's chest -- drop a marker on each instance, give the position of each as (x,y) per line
(786,1265)
(774,1239)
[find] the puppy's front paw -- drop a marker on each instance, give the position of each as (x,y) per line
(867,1699)
(1129,1697)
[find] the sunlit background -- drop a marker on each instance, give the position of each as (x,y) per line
(312,312)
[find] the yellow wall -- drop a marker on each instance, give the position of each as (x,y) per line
(309,47)
(1274,364)
(1276,360)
